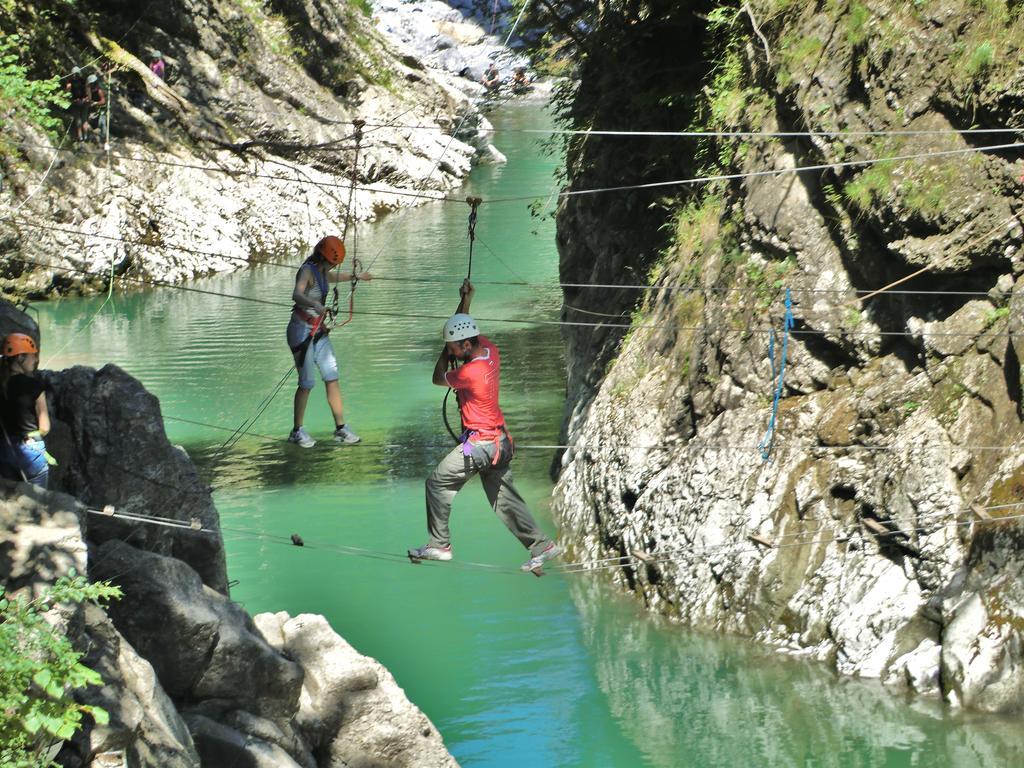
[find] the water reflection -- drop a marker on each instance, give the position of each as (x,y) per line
(701,700)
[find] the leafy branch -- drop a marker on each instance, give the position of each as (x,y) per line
(39,670)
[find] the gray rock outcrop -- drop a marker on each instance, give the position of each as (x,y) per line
(350,704)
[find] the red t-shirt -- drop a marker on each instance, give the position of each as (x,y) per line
(476,387)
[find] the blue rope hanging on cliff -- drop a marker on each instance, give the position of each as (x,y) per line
(778,377)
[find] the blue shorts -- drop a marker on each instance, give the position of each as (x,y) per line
(25,460)
(318,354)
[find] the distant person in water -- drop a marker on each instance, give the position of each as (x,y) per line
(520,80)
(308,337)
(485,449)
(492,78)
(24,417)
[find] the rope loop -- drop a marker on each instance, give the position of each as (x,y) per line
(474,203)
(778,377)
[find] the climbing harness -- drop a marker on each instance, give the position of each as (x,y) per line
(778,377)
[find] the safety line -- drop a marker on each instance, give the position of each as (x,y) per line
(677,555)
(42,181)
(952,132)
(707,444)
(516,321)
(425,195)
(441,197)
(758,174)
(860,293)
(763,134)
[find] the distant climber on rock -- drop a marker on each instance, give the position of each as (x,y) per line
(81,100)
(24,417)
(157,65)
(486,448)
(97,112)
(308,337)
(492,78)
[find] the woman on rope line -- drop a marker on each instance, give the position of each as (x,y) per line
(486,448)
(308,337)
(24,417)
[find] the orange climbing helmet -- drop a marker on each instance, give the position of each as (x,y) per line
(19,344)
(332,249)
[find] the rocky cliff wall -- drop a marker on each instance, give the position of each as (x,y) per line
(246,151)
(898,413)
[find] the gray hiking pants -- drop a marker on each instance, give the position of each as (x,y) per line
(455,470)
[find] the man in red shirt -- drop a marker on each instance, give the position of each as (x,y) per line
(486,448)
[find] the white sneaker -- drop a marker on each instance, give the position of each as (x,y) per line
(301,436)
(427,552)
(345,435)
(538,560)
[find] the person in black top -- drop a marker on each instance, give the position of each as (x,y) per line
(81,101)
(97,112)
(24,418)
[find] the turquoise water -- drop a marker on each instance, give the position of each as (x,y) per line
(513,670)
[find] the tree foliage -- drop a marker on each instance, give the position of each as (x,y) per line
(21,96)
(39,670)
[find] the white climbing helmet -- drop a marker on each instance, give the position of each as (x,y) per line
(460,326)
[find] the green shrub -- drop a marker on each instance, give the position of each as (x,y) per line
(38,671)
(980,60)
(31,100)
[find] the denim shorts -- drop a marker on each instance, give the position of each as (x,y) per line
(25,460)
(319,354)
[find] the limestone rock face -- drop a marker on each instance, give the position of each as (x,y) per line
(839,526)
(144,723)
(40,537)
(351,708)
(247,151)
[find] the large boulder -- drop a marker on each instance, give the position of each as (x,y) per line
(13,320)
(118,454)
(202,646)
(40,536)
(351,709)
(144,724)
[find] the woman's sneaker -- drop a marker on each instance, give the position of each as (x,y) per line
(345,435)
(427,552)
(552,550)
(301,436)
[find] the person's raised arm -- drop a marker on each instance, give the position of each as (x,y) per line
(345,277)
(465,297)
(441,366)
